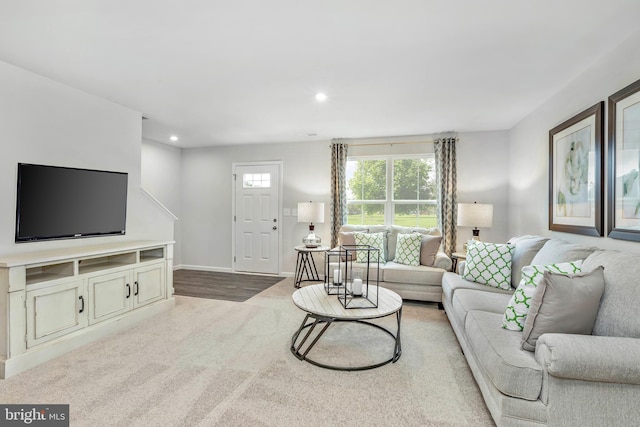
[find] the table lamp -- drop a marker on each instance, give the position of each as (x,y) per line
(311,212)
(475,215)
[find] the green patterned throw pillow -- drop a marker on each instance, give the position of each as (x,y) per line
(375,240)
(489,264)
(518,307)
(408,249)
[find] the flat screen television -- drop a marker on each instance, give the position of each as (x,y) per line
(65,203)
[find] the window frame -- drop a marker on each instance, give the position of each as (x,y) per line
(390,202)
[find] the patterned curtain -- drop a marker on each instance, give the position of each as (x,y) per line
(338,189)
(447,209)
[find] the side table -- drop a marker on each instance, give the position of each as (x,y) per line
(455,257)
(305,265)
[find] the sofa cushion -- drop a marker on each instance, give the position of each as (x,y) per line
(564,304)
(617,317)
(418,275)
(467,300)
(370,229)
(452,282)
(374,272)
(408,249)
(512,371)
(489,264)
(348,238)
(556,250)
(516,312)
(394,230)
(525,248)
(429,247)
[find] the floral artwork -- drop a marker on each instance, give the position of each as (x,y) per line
(575,174)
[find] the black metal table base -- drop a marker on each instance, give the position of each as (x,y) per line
(305,265)
(302,354)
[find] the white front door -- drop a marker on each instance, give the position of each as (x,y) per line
(257,227)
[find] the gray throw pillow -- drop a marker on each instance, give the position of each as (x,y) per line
(565,304)
(429,249)
(526,247)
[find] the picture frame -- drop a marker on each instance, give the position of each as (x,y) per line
(624,164)
(576,173)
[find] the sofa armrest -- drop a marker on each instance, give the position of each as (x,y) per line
(442,261)
(590,357)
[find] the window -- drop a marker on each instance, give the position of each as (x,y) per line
(392,190)
(256,180)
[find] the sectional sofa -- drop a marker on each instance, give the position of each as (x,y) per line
(421,282)
(570,379)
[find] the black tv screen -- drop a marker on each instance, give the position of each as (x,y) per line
(64,203)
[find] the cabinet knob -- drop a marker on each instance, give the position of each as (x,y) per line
(81,298)
(128,290)
(136,287)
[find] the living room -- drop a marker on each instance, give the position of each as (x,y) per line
(46,121)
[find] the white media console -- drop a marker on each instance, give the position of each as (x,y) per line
(56,301)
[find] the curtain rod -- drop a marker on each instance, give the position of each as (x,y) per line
(369,144)
(392,143)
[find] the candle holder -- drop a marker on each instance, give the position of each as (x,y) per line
(334,271)
(359,288)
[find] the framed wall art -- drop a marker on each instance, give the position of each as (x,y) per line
(576,174)
(624,164)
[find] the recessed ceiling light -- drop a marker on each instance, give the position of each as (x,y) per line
(173,138)
(321,97)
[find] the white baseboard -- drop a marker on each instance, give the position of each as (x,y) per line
(202,268)
(225,270)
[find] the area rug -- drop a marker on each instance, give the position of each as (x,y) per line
(222,363)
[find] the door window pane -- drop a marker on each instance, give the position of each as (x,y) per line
(256,180)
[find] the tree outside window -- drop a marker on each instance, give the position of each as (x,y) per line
(392,190)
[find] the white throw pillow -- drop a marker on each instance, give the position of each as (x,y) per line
(375,240)
(408,249)
(518,307)
(489,264)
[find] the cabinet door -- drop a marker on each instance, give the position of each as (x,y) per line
(109,295)
(55,311)
(149,284)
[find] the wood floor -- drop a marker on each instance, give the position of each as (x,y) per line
(222,286)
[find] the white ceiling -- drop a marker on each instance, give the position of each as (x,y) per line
(220,72)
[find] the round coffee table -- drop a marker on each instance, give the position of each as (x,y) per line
(323,308)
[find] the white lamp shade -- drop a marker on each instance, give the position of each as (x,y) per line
(475,215)
(311,212)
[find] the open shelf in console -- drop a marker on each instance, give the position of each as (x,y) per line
(151,254)
(90,265)
(47,272)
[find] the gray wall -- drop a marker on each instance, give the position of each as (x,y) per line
(162,178)
(45,122)
(529,142)
(206,215)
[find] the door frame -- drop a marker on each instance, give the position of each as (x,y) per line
(280,184)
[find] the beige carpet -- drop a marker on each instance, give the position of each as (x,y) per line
(222,363)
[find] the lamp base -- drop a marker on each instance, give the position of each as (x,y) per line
(311,240)
(476,234)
